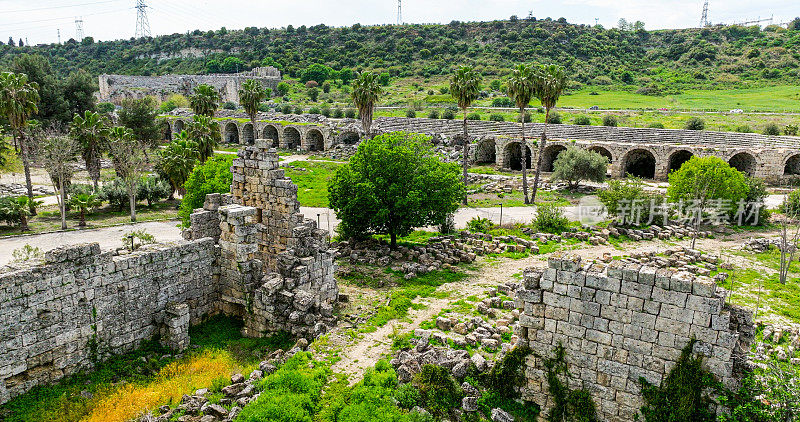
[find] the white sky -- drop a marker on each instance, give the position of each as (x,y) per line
(38,20)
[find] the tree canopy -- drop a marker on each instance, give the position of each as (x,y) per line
(577,164)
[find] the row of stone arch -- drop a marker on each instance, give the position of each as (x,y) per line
(637,161)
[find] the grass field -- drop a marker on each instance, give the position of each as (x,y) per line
(311,178)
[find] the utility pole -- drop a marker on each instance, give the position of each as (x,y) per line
(79,29)
(399,12)
(142,23)
(704,17)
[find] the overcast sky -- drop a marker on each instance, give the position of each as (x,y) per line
(39,20)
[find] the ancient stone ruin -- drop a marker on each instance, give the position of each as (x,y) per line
(618,322)
(249,254)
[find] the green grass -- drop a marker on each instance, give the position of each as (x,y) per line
(776,298)
(311,178)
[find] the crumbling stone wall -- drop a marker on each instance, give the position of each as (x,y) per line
(79,304)
(619,322)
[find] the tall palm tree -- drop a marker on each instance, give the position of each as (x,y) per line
(18,99)
(177,161)
(91,131)
(465,87)
(206,132)
(366,90)
(520,90)
(549,84)
(251,95)
(205,100)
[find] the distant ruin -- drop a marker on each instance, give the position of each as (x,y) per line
(115,88)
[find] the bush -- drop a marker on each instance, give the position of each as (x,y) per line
(172,102)
(582,121)
(756,197)
(790,130)
(314,110)
(772,129)
(554,118)
(508,375)
(338,113)
(213,176)
(550,219)
(407,396)
(503,102)
(619,197)
(411,113)
(448,115)
(479,225)
(744,129)
(473,116)
(695,123)
(350,113)
(497,117)
(610,120)
(299,110)
(325,111)
(791,204)
(286,109)
(115,193)
(438,390)
(153,189)
(229,105)
(109,108)
(526,116)
(136,239)
(326,87)
(577,164)
(433,114)
(568,405)
(656,126)
(313,93)
(283,88)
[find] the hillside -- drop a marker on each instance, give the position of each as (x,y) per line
(651,62)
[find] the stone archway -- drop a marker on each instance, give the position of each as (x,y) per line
(231,133)
(350,138)
(486,152)
(677,158)
(292,137)
(792,166)
(315,141)
(602,151)
(744,162)
(178,126)
(639,163)
(513,156)
(549,156)
(248,134)
(271,132)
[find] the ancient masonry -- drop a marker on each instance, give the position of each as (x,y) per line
(115,88)
(249,254)
(618,322)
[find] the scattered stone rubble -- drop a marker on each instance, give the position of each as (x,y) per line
(781,342)
(17,189)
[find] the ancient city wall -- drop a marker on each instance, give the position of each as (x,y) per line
(80,304)
(619,322)
(116,88)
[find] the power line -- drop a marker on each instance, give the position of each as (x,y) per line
(57,7)
(26,23)
(142,23)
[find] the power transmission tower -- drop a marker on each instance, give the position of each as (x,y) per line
(79,29)
(704,18)
(59,35)
(399,12)
(142,23)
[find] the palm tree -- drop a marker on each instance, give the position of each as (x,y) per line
(18,209)
(18,99)
(465,87)
(206,132)
(366,90)
(205,100)
(520,89)
(549,83)
(250,96)
(84,202)
(91,132)
(177,161)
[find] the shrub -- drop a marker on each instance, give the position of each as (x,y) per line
(213,176)
(286,109)
(695,123)
(473,116)
(610,120)
(550,219)
(407,396)
(350,113)
(325,111)
(772,129)
(479,225)
(298,110)
(136,239)
(437,389)
(508,375)
(313,93)
(656,125)
(497,117)
(582,121)
(338,113)
(411,113)
(283,88)
(554,118)
(115,193)
(172,102)
(153,189)
(577,164)
(568,405)
(448,115)
(326,87)
(756,197)
(314,110)
(229,105)
(503,102)
(109,108)
(790,130)
(27,253)
(619,197)
(526,116)
(744,129)
(791,204)
(433,114)
(711,178)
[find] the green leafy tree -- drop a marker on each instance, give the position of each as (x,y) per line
(577,164)
(205,100)
(393,184)
(58,154)
(465,87)
(84,203)
(78,90)
(520,89)
(140,118)
(91,132)
(316,72)
(550,82)
(177,160)
(52,106)
(695,123)
(213,176)
(18,101)
(129,159)
(205,131)
(283,88)
(251,95)
(366,90)
(313,93)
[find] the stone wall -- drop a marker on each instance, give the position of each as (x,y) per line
(80,304)
(116,88)
(619,322)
